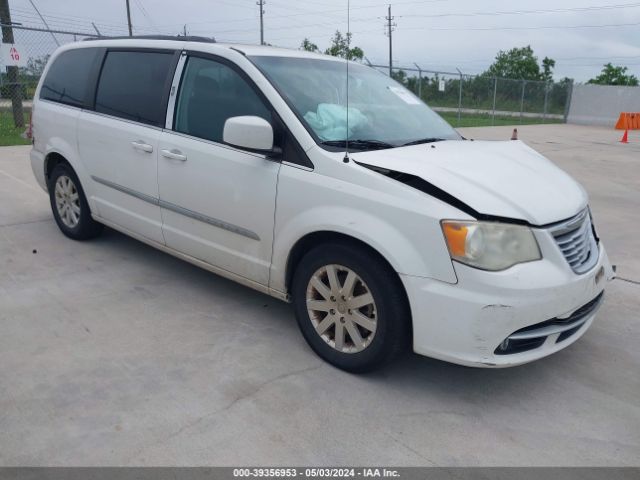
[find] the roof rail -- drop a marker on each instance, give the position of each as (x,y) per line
(181,38)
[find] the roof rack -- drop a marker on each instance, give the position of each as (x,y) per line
(181,38)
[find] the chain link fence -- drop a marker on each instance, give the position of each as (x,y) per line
(459,96)
(35,45)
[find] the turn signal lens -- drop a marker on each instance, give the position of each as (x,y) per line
(456,235)
(490,245)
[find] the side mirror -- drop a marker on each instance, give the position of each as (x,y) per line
(250,132)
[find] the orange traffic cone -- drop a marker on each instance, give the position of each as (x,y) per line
(514,136)
(625,136)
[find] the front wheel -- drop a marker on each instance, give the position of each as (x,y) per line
(69,204)
(351,307)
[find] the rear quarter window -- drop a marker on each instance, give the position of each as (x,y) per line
(133,85)
(68,77)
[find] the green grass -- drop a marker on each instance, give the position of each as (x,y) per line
(9,134)
(471,120)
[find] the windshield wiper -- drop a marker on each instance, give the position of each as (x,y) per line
(423,140)
(359,144)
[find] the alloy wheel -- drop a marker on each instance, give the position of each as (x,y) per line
(341,308)
(67,201)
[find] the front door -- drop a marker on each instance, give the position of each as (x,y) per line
(217,201)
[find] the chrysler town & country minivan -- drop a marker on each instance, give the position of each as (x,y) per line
(383,226)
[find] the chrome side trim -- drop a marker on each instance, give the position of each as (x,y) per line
(210,220)
(128,191)
(180,210)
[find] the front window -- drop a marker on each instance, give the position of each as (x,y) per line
(381,112)
(211,93)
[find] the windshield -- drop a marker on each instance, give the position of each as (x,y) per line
(382,113)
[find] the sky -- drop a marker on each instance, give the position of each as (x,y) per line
(445,35)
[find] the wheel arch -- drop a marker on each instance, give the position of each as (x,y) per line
(324,237)
(51,160)
(328,237)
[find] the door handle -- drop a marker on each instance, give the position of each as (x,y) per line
(174,155)
(143,147)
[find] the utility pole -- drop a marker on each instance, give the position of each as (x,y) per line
(260,4)
(390,26)
(12,71)
(129,19)
(184,30)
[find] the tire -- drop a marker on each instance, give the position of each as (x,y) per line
(382,327)
(69,204)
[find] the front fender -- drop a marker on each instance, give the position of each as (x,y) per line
(397,228)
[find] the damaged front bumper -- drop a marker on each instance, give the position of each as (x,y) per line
(501,319)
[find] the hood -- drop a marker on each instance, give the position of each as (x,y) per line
(505,179)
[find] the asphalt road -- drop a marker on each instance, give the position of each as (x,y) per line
(112,353)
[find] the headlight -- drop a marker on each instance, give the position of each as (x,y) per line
(490,245)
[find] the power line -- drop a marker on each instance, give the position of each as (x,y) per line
(146,14)
(524,28)
(527,12)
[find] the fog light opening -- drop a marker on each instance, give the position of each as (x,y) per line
(504,345)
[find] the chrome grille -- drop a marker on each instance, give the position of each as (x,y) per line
(577,242)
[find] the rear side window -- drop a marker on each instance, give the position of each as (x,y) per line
(67,78)
(133,86)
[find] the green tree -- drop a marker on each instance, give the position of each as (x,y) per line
(399,76)
(548,65)
(308,45)
(521,63)
(35,66)
(612,75)
(341,47)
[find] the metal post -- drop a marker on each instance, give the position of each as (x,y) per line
(459,97)
(96,29)
(524,83)
(419,81)
(129,19)
(567,105)
(495,92)
(389,31)
(12,71)
(261,3)
(546,97)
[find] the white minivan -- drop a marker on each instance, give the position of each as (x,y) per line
(381,224)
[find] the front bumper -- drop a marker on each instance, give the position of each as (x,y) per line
(467,322)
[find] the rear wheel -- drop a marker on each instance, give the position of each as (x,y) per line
(69,204)
(351,307)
